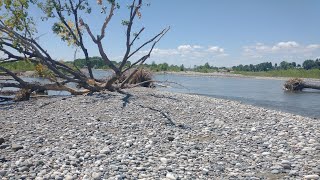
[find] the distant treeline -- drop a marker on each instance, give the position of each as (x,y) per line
(166,67)
(284,65)
(98,63)
(95,62)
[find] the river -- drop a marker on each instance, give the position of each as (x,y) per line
(259,92)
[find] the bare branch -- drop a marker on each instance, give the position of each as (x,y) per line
(85,51)
(106,22)
(163,32)
(129,27)
(106,59)
(137,36)
(145,57)
(62,19)
(90,32)
(15,77)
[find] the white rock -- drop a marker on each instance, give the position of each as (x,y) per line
(265,153)
(105,150)
(164,160)
(311,177)
(96,175)
(171,176)
(312,141)
(307,149)
(68,177)
(218,122)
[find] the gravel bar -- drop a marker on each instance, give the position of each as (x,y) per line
(149,134)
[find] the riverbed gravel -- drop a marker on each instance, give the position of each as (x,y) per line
(149,134)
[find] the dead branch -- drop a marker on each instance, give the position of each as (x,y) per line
(297,84)
(145,57)
(20,45)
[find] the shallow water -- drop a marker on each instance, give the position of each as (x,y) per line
(260,92)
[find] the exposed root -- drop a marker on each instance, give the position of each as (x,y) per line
(295,84)
(23,95)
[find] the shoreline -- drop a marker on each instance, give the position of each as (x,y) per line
(189,73)
(230,75)
(153,134)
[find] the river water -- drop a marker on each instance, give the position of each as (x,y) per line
(260,92)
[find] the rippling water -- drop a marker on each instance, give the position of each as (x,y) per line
(260,92)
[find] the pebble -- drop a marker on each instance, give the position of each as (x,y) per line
(311,177)
(275,171)
(210,139)
(164,160)
(3,172)
(1,141)
(16,147)
(96,175)
(171,176)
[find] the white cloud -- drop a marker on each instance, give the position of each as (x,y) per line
(187,54)
(189,50)
(313,46)
(286,45)
(287,49)
(215,49)
(197,47)
(185,48)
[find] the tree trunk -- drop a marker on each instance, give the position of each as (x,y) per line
(297,84)
(312,85)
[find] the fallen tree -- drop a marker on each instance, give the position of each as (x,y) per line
(297,84)
(19,42)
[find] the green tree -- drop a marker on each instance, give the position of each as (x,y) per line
(284,65)
(309,64)
(182,67)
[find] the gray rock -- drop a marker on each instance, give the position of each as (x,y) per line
(205,171)
(68,177)
(171,176)
(96,175)
(293,173)
(23,168)
(105,150)
(1,141)
(275,171)
(4,146)
(16,147)
(3,172)
(265,153)
(164,160)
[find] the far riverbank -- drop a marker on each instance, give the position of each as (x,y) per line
(231,75)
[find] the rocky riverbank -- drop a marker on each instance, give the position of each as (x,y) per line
(147,134)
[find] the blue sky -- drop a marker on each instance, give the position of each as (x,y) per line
(221,32)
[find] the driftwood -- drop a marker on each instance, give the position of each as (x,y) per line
(22,45)
(297,84)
